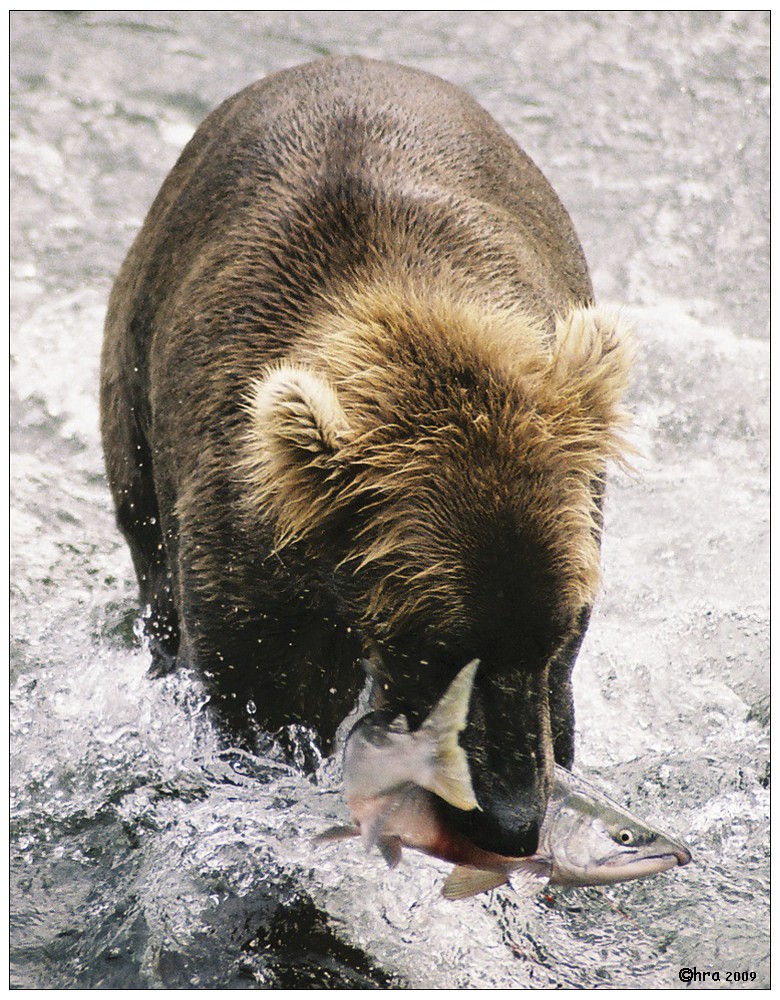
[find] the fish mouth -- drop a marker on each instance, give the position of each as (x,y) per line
(683,855)
(623,869)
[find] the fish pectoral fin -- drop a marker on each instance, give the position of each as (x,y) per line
(463,882)
(336,833)
(530,876)
(371,832)
(390,849)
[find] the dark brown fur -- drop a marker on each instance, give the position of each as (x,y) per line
(355,402)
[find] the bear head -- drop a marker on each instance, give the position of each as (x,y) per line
(442,463)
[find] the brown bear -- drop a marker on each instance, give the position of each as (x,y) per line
(357,404)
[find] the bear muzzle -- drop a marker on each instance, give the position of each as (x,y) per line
(509,819)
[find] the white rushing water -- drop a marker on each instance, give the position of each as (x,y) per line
(144,854)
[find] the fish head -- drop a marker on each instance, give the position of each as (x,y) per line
(593,841)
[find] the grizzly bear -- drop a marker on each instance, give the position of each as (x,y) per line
(357,405)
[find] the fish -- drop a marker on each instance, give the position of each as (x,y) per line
(396,779)
(586,839)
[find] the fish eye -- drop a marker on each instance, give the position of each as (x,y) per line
(626,836)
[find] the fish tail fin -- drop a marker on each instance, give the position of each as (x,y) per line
(451,778)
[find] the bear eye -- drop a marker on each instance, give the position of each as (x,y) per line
(626,836)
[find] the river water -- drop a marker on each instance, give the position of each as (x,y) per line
(144,854)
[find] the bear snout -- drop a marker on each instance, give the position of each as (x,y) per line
(511,758)
(509,820)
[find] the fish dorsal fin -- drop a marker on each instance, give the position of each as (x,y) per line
(463,882)
(451,778)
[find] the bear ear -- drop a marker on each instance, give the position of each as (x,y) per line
(299,411)
(593,355)
(296,435)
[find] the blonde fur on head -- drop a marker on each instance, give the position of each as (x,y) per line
(294,404)
(438,394)
(594,352)
(295,433)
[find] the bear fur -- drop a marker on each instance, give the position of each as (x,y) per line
(357,404)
